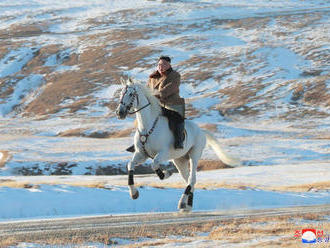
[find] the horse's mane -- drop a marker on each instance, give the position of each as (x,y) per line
(155,104)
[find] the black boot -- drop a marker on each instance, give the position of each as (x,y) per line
(179,135)
(131,148)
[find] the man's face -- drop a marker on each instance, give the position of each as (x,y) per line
(163,66)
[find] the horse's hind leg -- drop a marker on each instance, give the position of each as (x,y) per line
(182,164)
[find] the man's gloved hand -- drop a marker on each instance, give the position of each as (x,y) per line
(156,93)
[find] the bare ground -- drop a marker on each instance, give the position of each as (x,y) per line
(251,228)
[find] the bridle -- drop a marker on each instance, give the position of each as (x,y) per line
(135,95)
(142,137)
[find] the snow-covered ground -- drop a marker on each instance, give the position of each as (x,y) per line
(36,146)
(54,201)
(58,196)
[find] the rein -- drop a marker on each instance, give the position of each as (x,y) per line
(131,103)
(144,137)
(139,108)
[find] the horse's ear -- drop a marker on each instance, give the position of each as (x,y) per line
(130,81)
(122,81)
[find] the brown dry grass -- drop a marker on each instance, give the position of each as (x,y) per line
(22,30)
(158,242)
(298,91)
(214,185)
(79,132)
(191,111)
(317,92)
(305,187)
(248,23)
(94,64)
(121,133)
(275,231)
(199,185)
(205,164)
(106,53)
(75,238)
(239,96)
(210,127)
(264,228)
(5,242)
(319,186)
(321,137)
(5,157)
(296,22)
(14,184)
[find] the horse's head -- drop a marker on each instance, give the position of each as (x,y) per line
(128,99)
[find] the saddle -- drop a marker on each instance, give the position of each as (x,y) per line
(176,125)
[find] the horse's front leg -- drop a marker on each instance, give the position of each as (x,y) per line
(186,200)
(158,159)
(137,159)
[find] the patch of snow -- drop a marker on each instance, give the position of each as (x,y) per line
(63,68)
(22,89)
(198,89)
(75,12)
(14,61)
(34,190)
(109,92)
(141,75)
(57,59)
(205,103)
(59,201)
(210,117)
(95,110)
(283,61)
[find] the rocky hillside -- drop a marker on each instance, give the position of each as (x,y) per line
(243,62)
(252,58)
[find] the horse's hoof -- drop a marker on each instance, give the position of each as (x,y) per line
(183,202)
(135,195)
(182,205)
(185,210)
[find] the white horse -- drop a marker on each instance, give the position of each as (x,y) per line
(154,139)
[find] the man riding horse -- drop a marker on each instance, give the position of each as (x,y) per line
(165,84)
(153,137)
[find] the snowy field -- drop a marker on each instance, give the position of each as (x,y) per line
(55,201)
(255,73)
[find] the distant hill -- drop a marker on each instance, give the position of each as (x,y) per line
(249,69)
(249,58)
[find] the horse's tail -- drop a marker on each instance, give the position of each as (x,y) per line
(222,155)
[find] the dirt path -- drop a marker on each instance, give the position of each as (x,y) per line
(133,226)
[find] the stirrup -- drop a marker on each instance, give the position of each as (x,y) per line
(131,148)
(178,145)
